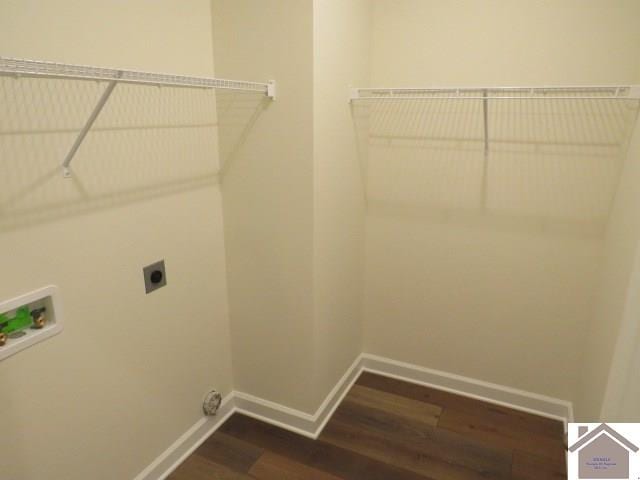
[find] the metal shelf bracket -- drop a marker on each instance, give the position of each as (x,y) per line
(66,170)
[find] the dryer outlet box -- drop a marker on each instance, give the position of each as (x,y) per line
(155,276)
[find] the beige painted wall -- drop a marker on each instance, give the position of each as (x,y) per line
(341,59)
(504,42)
(490,270)
(267,151)
(127,375)
(612,337)
(292,192)
(609,382)
(623,386)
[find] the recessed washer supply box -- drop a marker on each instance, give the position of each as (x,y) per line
(47,297)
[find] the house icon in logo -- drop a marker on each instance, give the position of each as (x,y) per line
(603,453)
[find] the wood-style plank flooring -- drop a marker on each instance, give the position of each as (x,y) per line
(386,429)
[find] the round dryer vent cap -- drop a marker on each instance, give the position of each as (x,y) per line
(211,403)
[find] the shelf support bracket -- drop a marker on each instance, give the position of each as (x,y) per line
(634,92)
(66,170)
(485,167)
(271,89)
(485,114)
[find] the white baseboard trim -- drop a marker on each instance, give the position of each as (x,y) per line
(516,399)
(294,420)
(270,412)
(184,446)
(311,425)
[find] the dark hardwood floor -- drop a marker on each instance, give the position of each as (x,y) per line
(386,429)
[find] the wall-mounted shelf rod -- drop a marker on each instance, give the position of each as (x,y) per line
(595,92)
(40,69)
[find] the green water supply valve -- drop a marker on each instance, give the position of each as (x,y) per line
(22,320)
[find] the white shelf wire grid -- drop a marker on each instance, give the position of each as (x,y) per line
(595,92)
(14,67)
(43,69)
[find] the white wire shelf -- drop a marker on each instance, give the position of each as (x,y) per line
(18,68)
(484,97)
(594,92)
(41,69)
